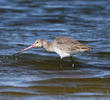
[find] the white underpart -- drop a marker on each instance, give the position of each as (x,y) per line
(63,54)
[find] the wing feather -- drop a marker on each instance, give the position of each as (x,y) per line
(66,43)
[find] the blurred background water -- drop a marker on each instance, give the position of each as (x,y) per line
(35,74)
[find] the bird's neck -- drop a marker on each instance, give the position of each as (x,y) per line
(48,46)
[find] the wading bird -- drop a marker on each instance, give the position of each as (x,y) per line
(63,46)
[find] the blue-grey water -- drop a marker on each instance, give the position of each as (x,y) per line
(35,74)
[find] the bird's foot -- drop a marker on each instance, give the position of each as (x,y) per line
(74,67)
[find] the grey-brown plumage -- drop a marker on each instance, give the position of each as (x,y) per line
(63,46)
(66,46)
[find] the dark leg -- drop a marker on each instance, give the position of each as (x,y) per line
(72,62)
(61,63)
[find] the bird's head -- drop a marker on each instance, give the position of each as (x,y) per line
(37,43)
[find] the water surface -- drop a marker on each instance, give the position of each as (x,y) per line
(35,74)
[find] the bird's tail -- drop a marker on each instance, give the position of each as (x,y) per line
(85,48)
(89,48)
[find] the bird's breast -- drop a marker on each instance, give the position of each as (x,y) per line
(61,53)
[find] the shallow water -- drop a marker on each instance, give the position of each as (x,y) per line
(35,74)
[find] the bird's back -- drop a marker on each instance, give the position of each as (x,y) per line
(69,44)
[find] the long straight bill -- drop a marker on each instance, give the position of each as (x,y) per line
(32,46)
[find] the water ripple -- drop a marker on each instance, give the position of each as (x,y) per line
(35,73)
